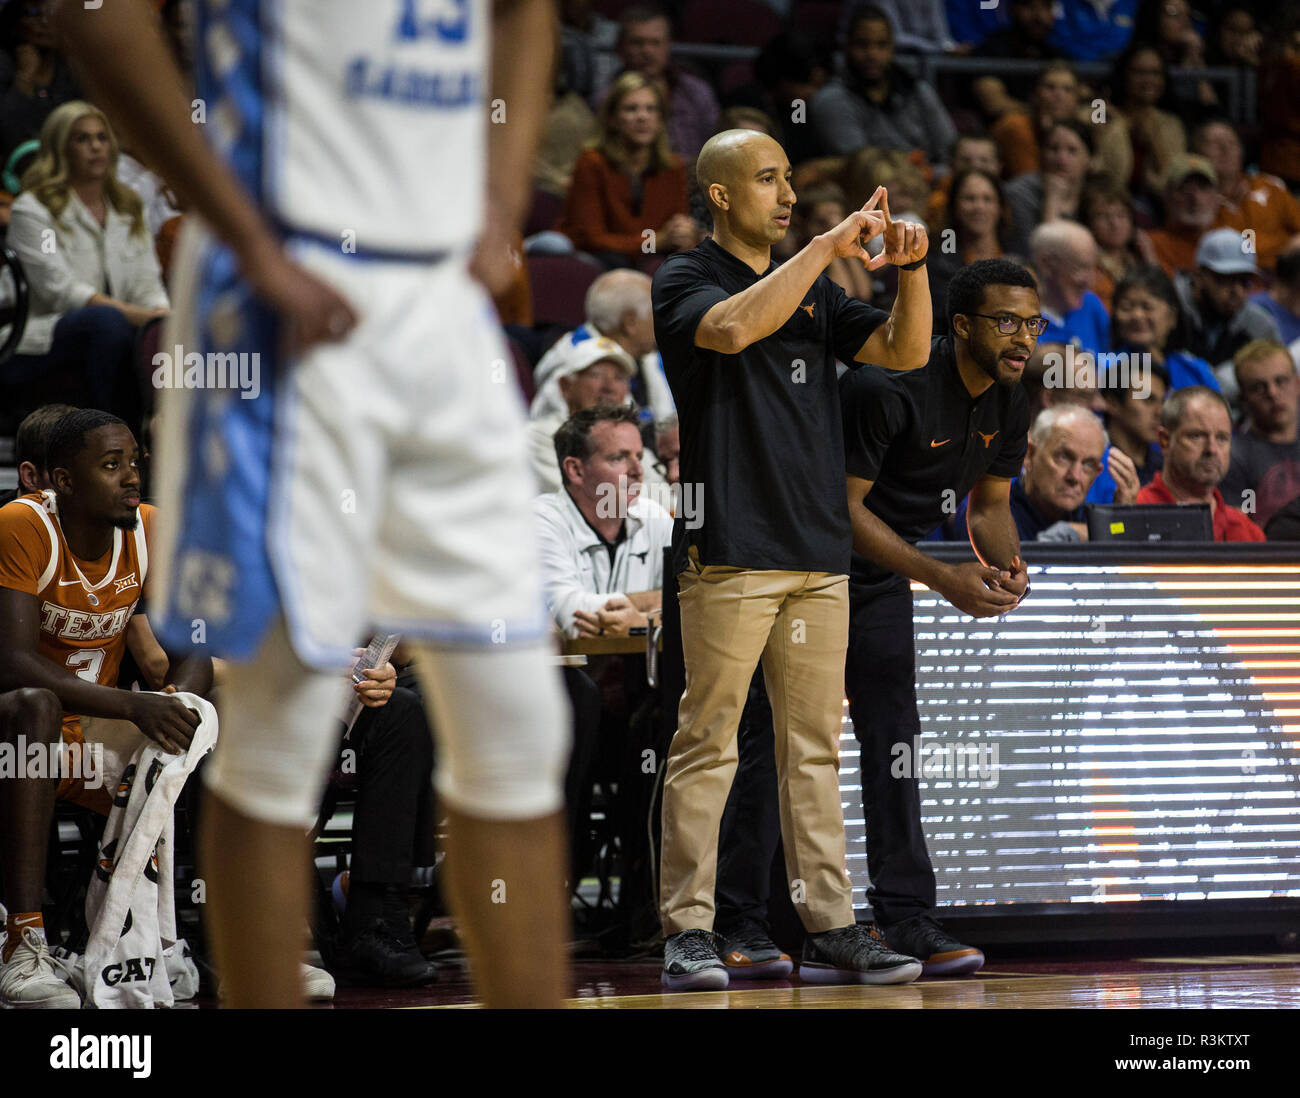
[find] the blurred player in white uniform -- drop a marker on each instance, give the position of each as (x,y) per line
(367,469)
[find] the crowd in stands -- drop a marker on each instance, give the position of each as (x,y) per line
(1164,233)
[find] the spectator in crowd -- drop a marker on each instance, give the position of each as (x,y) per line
(1248,200)
(1064,255)
(1232,37)
(1191,205)
(1132,398)
(1279,92)
(628,183)
(1094,32)
(1218,319)
(99,282)
(600,541)
(1046,384)
(617,305)
(392,831)
(1282,300)
(690,107)
(970,150)
(34,75)
(1107,211)
(821,207)
(587,41)
(1166,26)
(920,25)
(1024,38)
(1058,96)
(596,371)
(1266,449)
(1147,320)
(1066,447)
(978,219)
(1285,523)
(29,449)
(789,71)
(1196,437)
(668,448)
(569,125)
(1139,84)
(876,102)
(970,24)
(1056,191)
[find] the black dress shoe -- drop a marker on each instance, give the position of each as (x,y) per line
(376,958)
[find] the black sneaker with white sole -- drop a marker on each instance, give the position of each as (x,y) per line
(691,962)
(749,953)
(855,954)
(938,950)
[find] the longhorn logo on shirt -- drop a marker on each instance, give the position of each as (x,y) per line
(808,309)
(107,860)
(124,787)
(987,438)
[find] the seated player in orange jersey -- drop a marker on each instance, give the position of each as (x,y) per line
(73,564)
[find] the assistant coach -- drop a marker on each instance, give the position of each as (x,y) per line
(749,349)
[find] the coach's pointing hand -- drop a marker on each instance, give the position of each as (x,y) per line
(967,587)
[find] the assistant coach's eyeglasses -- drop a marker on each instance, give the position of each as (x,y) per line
(1010,325)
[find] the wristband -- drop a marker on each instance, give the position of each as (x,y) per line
(912,266)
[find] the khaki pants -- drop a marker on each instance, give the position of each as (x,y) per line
(798,624)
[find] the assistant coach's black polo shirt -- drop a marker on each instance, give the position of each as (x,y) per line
(762,445)
(925,441)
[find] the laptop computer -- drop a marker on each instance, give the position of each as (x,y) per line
(1150,522)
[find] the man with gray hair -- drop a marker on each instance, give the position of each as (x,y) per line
(1066,446)
(617,306)
(1064,255)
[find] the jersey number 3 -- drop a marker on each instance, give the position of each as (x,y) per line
(86,663)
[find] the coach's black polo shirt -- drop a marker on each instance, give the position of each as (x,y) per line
(761,433)
(920,436)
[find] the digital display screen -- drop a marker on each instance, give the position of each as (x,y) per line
(1130,733)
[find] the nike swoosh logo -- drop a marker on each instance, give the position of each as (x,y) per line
(69,583)
(943,443)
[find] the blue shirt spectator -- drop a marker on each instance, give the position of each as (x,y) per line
(1288,323)
(1087,327)
(1093,31)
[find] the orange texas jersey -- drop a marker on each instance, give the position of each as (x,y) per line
(84,605)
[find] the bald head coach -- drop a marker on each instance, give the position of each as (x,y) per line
(750,349)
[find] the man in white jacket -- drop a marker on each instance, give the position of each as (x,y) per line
(601,543)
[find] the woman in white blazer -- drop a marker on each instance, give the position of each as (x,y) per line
(89,258)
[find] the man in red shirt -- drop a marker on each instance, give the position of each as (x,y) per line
(1196,437)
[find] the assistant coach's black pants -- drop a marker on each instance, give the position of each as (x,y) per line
(880,683)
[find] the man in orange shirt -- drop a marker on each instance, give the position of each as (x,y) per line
(73,565)
(1196,437)
(1191,204)
(1248,200)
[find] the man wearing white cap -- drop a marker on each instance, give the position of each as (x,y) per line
(1219,320)
(596,371)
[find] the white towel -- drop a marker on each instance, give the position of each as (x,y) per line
(130,904)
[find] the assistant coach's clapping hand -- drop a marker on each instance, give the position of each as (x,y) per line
(905,241)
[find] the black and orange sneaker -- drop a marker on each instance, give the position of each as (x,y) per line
(855,954)
(938,950)
(749,953)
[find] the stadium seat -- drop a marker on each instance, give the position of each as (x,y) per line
(819,18)
(544,212)
(14,300)
(523,369)
(559,287)
(736,75)
(734,22)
